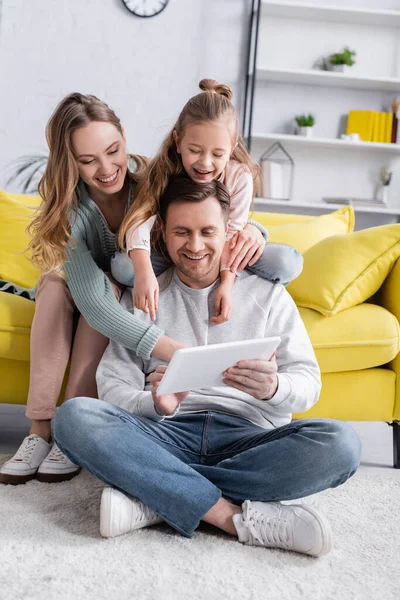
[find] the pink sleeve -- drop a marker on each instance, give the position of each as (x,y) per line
(239,182)
(140,237)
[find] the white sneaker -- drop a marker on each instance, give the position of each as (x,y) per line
(289,527)
(24,464)
(56,467)
(120,514)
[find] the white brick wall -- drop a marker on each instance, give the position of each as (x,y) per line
(145,69)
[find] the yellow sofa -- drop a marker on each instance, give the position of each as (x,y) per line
(356,342)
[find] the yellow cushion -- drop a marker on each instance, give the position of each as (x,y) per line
(365,395)
(267,219)
(16,212)
(16,314)
(305,233)
(360,337)
(345,270)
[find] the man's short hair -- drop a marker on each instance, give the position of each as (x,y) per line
(183,189)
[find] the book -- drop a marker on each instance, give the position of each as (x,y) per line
(394,128)
(381,127)
(375,131)
(388,127)
(361,122)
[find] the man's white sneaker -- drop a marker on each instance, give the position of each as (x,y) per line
(289,527)
(24,464)
(120,514)
(56,467)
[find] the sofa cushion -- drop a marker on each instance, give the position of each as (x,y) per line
(302,234)
(360,337)
(16,212)
(16,314)
(345,270)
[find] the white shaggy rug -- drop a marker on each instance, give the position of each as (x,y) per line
(50,547)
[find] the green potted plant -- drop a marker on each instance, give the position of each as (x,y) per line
(341,60)
(305,124)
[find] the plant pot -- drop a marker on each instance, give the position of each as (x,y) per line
(305,131)
(337,68)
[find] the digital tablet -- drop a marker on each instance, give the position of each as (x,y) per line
(202,366)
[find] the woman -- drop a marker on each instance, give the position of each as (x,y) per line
(86,189)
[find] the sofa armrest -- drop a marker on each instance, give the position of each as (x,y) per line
(389,297)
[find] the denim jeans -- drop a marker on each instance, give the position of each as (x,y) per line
(278,263)
(181,466)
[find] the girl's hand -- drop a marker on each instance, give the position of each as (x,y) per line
(223,303)
(246,248)
(165,404)
(145,292)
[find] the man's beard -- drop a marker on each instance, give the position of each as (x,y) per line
(196,273)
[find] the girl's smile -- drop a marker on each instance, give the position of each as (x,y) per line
(205,149)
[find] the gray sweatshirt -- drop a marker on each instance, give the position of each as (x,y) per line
(260,309)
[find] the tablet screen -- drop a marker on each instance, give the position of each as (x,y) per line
(202,366)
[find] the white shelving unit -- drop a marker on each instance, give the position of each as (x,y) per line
(329,78)
(327,206)
(292,37)
(338,14)
(328,142)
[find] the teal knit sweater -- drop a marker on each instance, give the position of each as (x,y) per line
(88,258)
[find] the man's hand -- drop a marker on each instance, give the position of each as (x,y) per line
(255,377)
(246,248)
(165,404)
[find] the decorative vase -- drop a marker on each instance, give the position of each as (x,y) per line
(305,131)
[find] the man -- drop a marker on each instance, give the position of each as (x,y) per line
(225,455)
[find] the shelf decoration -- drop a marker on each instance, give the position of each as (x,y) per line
(340,61)
(277,173)
(305,125)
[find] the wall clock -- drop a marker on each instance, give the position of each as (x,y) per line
(145,8)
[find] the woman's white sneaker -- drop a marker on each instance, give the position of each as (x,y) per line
(56,467)
(120,514)
(287,526)
(23,466)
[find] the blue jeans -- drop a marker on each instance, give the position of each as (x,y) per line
(180,467)
(278,263)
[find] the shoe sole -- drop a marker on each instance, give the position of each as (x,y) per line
(56,477)
(325,529)
(6,478)
(105,514)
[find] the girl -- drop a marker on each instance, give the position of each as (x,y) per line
(87,189)
(206,144)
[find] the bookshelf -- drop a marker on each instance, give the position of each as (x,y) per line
(329,78)
(329,142)
(287,41)
(340,14)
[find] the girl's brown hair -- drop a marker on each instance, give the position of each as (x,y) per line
(50,231)
(213,103)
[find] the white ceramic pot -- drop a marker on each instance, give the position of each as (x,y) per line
(305,131)
(337,68)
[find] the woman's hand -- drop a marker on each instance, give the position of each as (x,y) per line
(165,404)
(223,303)
(145,292)
(246,248)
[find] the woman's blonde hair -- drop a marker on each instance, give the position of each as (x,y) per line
(50,230)
(212,104)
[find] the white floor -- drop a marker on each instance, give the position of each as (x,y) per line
(376,438)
